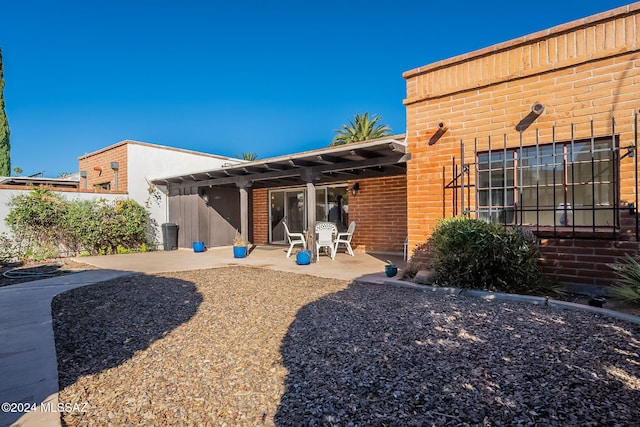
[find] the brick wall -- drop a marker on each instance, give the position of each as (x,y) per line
(379,209)
(380,212)
(584,261)
(98,167)
(584,72)
(260,216)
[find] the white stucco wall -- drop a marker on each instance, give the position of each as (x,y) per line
(147,162)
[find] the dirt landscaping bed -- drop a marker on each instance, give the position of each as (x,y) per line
(37,270)
(247,346)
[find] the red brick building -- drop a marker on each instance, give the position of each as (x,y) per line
(539,131)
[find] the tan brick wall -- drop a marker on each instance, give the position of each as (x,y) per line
(584,72)
(98,167)
(380,212)
(585,261)
(261,216)
(379,209)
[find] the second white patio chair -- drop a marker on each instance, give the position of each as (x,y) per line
(324,237)
(294,239)
(345,238)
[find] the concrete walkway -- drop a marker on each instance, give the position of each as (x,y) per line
(28,365)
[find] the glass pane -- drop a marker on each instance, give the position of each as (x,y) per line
(338,204)
(276,210)
(321,204)
(295,217)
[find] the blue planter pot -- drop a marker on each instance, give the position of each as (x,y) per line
(303,257)
(198,246)
(390,270)
(239,251)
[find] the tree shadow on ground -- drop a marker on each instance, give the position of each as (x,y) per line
(101,326)
(375,355)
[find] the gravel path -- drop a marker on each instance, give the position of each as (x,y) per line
(247,347)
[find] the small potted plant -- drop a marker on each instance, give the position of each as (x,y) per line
(239,246)
(390,269)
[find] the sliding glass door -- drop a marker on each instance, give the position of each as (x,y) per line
(290,206)
(286,206)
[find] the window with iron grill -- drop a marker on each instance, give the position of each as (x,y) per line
(561,184)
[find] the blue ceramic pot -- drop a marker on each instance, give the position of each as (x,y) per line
(198,246)
(239,251)
(390,270)
(303,257)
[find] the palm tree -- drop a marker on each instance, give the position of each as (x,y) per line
(249,155)
(361,129)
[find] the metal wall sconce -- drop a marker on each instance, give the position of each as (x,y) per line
(83,175)
(204,195)
(442,128)
(355,188)
(537,108)
(115,166)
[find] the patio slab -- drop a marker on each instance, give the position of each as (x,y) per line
(343,267)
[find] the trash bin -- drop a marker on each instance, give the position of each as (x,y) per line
(170,236)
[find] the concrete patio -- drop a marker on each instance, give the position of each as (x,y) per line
(343,267)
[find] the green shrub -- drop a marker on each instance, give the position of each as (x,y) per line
(8,251)
(37,218)
(628,283)
(470,253)
(46,224)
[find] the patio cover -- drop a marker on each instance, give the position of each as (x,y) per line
(379,157)
(368,159)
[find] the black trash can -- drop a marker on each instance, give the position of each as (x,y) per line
(170,236)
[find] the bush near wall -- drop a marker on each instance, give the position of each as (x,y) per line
(45,225)
(471,253)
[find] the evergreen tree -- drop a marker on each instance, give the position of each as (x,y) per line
(5,146)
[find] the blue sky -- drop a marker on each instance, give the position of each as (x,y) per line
(228,77)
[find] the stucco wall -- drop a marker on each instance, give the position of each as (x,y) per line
(139,163)
(148,162)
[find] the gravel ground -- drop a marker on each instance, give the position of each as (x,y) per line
(248,347)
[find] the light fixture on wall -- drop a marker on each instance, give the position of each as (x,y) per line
(537,108)
(204,195)
(355,188)
(83,175)
(115,166)
(442,128)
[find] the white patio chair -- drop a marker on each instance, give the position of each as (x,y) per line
(345,238)
(324,237)
(294,239)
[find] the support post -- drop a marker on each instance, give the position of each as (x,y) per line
(311,220)
(244,212)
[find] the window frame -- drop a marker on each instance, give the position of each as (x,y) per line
(560,161)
